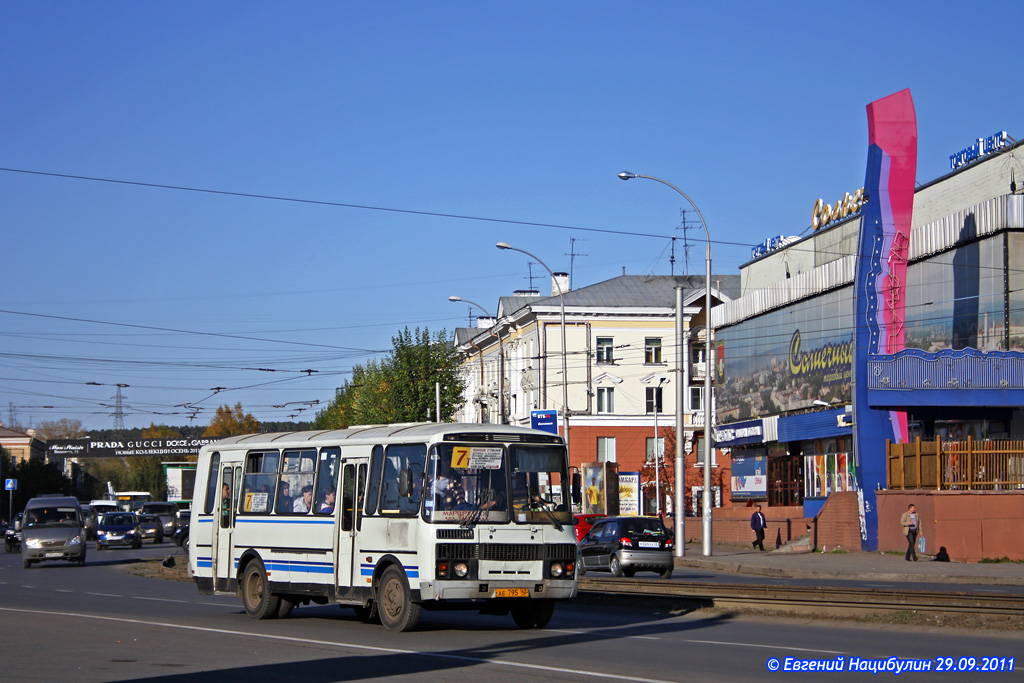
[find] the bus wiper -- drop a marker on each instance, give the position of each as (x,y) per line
(554,520)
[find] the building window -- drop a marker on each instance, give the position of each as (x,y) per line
(604,350)
(605,399)
(652,350)
(651,452)
(700,453)
(606,448)
(697,353)
(697,399)
(654,404)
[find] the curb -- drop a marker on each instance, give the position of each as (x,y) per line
(776,572)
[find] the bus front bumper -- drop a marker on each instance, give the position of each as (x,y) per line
(487,590)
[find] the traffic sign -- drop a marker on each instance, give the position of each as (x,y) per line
(10,484)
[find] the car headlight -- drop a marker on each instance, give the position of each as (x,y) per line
(33,543)
(461,570)
(130,532)
(77,540)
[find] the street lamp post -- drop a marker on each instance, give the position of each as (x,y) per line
(708,431)
(501,355)
(565,367)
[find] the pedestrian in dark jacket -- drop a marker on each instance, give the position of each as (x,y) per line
(759,524)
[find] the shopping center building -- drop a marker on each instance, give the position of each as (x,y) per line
(861,333)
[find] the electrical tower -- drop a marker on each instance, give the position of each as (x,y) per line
(119,409)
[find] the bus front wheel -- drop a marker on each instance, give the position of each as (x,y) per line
(256,597)
(532,613)
(395,607)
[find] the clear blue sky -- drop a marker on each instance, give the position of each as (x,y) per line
(506,111)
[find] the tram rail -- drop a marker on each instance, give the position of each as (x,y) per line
(805,599)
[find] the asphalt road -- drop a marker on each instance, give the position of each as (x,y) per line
(99,623)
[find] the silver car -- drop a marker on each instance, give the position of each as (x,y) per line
(52,529)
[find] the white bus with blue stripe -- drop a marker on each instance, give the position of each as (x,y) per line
(388,520)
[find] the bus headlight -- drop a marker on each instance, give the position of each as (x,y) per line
(461,570)
(557,569)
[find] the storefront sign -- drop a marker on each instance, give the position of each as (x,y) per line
(979,149)
(823,214)
(739,433)
(544,420)
(770,245)
(834,360)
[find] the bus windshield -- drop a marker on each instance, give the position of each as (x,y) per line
(540,491)
(466,484)
(469,484)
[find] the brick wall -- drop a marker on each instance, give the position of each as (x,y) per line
(838,524)
(970,525)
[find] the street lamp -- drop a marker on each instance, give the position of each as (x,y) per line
(501,355)
(708,366)
(565,367)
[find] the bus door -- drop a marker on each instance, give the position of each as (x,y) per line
(224,524)
(353,486)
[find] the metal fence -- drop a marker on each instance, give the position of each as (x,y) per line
(956,465)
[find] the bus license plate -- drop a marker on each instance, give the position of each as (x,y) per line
(511,592)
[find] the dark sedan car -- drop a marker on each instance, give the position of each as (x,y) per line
(181,533)
(152,528)
(624,545)
(118,528)
(12,535)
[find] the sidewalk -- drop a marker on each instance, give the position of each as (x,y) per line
(858,566)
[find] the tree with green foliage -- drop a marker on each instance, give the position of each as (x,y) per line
(400,387)
(63,428)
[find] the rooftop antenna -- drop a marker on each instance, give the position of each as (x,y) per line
(572,256)
(685,225)
(531,277)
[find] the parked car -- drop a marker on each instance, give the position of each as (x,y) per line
(151,528)
(167,512)
(118,528)
(625,545)
(583,524)
(52,529)
(12,536)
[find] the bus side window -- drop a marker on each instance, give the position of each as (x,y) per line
(376,471)
(360,489)
(211,484)
(348,497)
(326,481)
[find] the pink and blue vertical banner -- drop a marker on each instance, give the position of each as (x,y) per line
(880,286)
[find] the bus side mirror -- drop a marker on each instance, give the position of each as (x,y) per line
(577,489)
(405,483)
(17,525)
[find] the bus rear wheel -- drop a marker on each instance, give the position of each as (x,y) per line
(256,597)
(532,613)
(394,601)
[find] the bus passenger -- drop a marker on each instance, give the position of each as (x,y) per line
(284,499)
(328,505)
(302,503)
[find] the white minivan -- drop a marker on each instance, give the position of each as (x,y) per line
(52,529)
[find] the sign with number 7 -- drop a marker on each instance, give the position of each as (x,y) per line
(460,457)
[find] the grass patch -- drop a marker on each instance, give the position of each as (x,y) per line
(999,560)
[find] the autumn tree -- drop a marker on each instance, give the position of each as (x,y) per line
(155,431)
(63,428)
(232,422)
(400,387)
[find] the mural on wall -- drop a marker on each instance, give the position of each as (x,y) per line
(786,360)
(880,285)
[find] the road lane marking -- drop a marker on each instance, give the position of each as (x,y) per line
(354,646)
(105,595)
(139,597)
(63,590)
